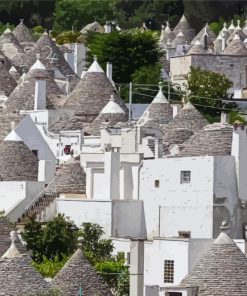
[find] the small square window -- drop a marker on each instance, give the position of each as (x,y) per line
(168,271)
(185,177)
(157,183)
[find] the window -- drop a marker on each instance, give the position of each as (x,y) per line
(35,152)
(157,183)
(174,294)
(185,177)
(168,271)
(128,258)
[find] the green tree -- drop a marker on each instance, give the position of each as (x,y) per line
(127,51)
(32,235)
(94,247)
(208,90)
(57,239)
(77,13)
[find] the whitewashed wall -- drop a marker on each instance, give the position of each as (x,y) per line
(173,206)
(87,211)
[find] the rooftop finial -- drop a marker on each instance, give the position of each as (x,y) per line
(112,98)
(21,21)
(224,226)
(12,252)
(160,86)
(38,56)
(95,57)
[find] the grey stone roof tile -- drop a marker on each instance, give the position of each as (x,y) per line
(22,98)
(221,271)
(17,162)
(213,139)
(23,33)
(7,82)
(18,277)
(77,273)
(70,178)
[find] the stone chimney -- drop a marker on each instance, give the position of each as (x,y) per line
(70,58)
(108,27)
(136,267)
(112,172)
(40,93)
(224,117)
(176,108)
(239,148)
(109,70)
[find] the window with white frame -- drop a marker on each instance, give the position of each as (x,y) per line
(168,271)
(185,177)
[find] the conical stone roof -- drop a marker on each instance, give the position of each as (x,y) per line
(22,98)
(70,178)
(205,31)
(221,271)
(109,116)
(17,162)
(78,273)
(158,112)
(179,39)
(92,93)
(183,24)
(50,56)
(9,37)
(6,122)
(18,277)
(236,47)
(188,118)
(187,122)
(22,33)
(197,48)
(213,139)
(7,82)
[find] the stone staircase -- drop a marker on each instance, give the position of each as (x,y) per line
(38,207)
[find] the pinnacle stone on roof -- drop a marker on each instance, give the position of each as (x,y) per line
(95,67)
(12,251)
(78,273)
(231,27)
(17,162)
(22,33)
(38,65)
(112,107)
(5,228)
(221,271)
(109,116)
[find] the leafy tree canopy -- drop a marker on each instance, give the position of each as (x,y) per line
(208,90)
(127,52)
(58,238)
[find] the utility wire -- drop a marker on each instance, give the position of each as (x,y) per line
(199,105)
